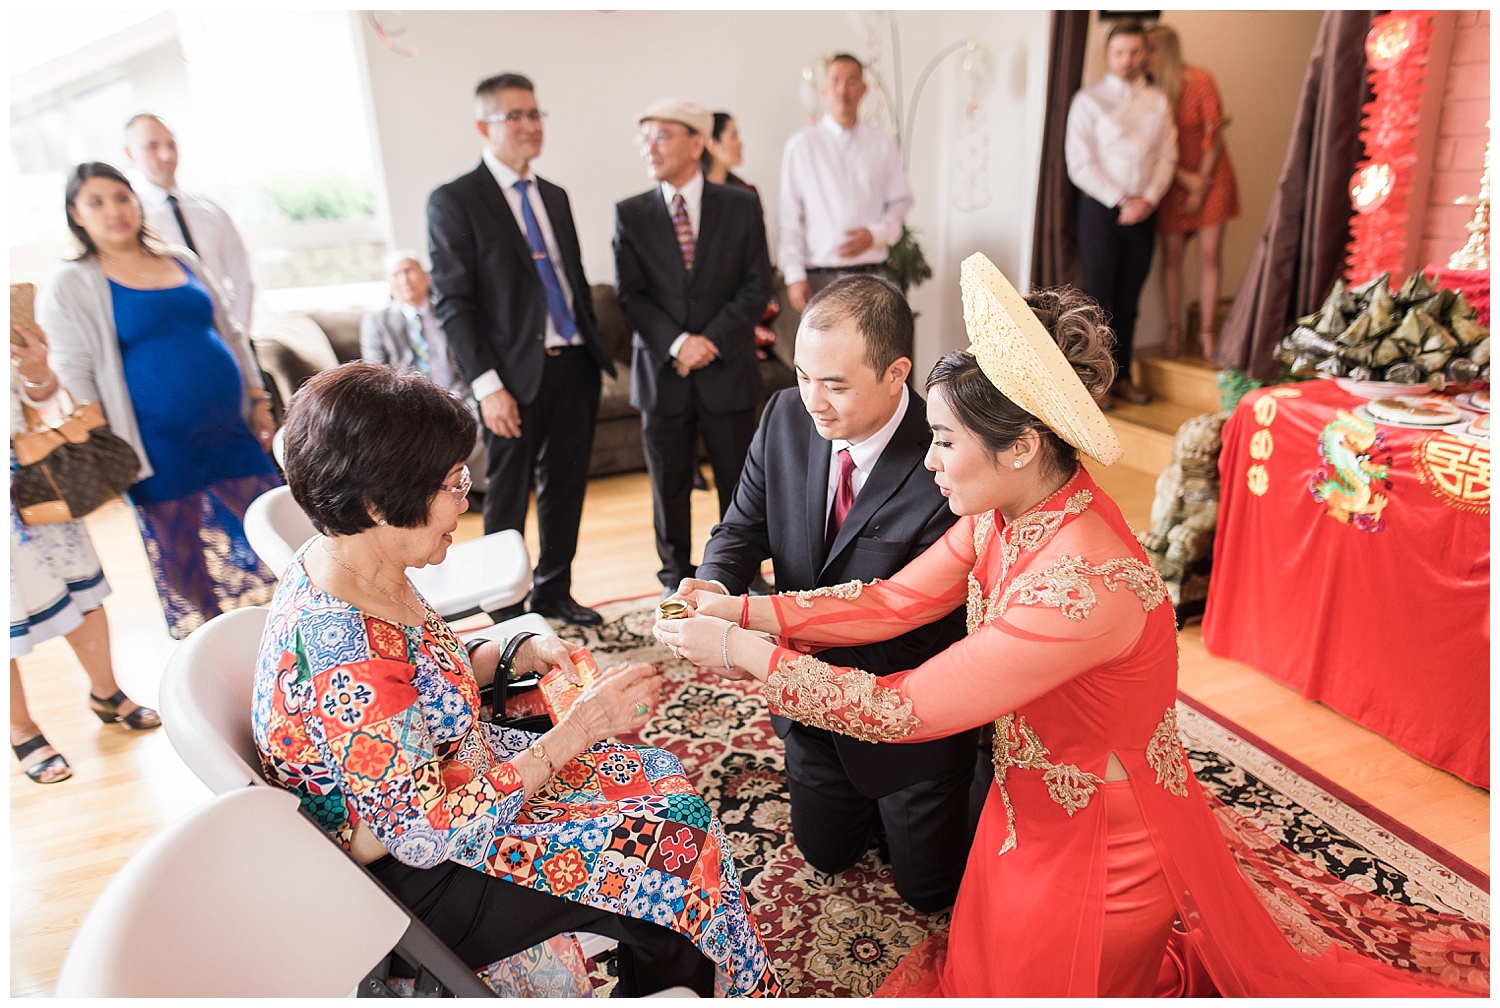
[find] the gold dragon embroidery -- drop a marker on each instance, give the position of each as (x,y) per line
(1164,755)
(848,702)
(848,591)
(1065,585)
(1028,533)
(1016,745)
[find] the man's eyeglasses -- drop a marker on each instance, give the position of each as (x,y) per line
(530,115)
(460,491)
(659,139)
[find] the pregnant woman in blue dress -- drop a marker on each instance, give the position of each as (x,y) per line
(144,332)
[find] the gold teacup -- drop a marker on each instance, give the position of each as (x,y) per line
(672,609)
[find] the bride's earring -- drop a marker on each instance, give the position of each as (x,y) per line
(1018,463)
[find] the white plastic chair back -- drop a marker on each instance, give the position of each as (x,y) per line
(277,527)
(241,898)
(478,575)
(205,699)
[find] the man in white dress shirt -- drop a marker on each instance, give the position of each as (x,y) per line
(183,218)
(844,194)
(1121,148)
(406,335)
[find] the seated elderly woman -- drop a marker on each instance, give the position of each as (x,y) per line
(366,706)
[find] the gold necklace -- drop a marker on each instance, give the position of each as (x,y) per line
(421,616)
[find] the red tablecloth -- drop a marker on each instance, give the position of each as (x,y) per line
(1352,563)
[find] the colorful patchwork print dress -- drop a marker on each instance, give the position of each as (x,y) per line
(1074,879)
(372,721)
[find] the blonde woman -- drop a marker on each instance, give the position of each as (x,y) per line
(1204,195)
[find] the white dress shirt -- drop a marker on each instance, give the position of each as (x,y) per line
(215,239)
(834,180)
(692,199)
(1121,141)
(506,179)
(865,454)
(436,340)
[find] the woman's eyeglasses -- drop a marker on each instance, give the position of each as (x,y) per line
(460,491)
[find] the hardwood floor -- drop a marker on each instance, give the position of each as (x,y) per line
(68,839)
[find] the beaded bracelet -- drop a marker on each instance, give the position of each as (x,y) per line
(724,647)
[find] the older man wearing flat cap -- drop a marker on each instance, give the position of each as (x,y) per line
(693,276)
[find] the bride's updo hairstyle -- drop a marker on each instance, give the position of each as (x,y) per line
(1075,322)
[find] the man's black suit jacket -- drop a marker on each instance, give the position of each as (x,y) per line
(780,511)
(486,292)
(722,298)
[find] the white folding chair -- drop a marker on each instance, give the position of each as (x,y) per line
(205,699)
(486,574)
(202,911)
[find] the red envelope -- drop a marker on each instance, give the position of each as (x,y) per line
(559,693)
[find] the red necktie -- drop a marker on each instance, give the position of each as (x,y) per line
(684,228)
(843,498)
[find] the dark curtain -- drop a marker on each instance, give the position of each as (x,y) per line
(1301,249)
(1054,260)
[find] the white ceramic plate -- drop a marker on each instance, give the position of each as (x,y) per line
(1466,400)
(1380,389)
(1364,414)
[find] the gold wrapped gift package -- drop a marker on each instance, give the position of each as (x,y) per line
(68,470)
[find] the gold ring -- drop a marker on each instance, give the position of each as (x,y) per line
(641,710)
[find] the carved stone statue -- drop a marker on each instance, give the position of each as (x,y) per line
(1186,511)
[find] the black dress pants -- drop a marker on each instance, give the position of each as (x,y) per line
(926,825)
(484,919)
(557,435)
(671,444)
(1116,261)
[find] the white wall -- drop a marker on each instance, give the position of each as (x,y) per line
(595,70)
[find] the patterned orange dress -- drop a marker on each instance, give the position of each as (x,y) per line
(1074,879)
(1200,116)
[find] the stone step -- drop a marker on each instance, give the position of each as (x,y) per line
(1188,381)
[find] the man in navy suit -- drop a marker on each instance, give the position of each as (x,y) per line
(853,356)
(511,296)
(693,276)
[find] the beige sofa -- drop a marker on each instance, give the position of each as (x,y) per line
(294,346)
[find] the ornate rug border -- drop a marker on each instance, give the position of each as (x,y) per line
(1423,861)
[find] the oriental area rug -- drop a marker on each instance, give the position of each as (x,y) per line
(1318,853)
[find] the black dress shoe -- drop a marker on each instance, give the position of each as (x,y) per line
(568,611)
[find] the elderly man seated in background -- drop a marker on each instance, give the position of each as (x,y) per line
(407,336)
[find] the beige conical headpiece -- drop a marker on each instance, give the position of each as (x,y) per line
(1021,358)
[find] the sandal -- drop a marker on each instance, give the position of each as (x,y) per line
(43,767)
(108,711)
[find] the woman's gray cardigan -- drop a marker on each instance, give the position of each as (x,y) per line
(76,313)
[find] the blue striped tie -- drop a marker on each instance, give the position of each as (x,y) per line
(557,305)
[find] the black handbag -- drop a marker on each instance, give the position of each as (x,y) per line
(497,696)
(69,470)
